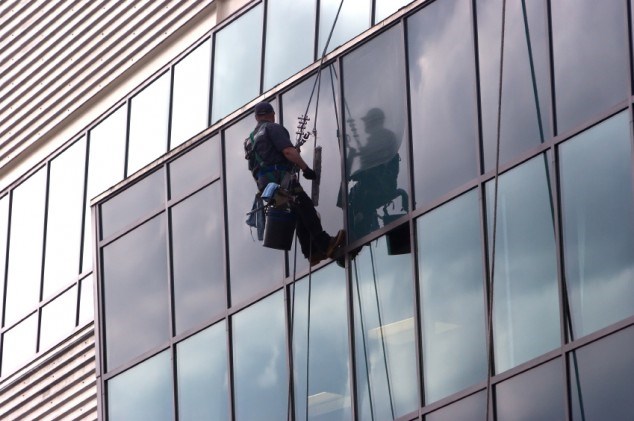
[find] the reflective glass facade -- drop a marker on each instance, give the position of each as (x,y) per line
(451,256)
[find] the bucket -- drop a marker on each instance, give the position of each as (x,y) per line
(279,229)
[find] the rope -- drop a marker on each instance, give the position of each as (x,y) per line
(532,66)
(495,209)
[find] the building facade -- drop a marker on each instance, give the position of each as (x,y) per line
(478,152)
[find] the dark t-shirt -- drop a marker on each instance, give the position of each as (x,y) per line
(270,140)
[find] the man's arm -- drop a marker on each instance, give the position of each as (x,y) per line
(293,155)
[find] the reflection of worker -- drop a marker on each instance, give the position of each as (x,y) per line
(376,176)
(273,159)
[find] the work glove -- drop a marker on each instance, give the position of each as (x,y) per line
(309,174)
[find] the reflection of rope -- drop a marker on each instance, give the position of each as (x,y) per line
(532,65)
(490,364)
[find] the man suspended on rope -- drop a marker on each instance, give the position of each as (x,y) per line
(274,159)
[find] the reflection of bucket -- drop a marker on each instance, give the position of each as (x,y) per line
(279,229)
(398,241)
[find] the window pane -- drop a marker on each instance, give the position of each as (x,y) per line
(198,267)
(203,376)
(598,224)
(602,378)
(290,39)
(328,194)
(442,85)
(537,394)
(452,297)
(354,18)
(106,163)
(253,268)
(190,106)
(63,228)
(133,203)
(18,345)
(58,319)
(4,226)
(144,392)
(526,95)
(25,250)
(86,300)
(382,288)
(260,361)
(149,113)
(237,63)
(526,307)
(590,57)
(385,8)
(375,132)
(135,292)
(196,167)
(470,408)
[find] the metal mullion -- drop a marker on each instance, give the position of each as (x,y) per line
(212,59)
(225,216)
(84,211)
(230,372)
(5,269)
(99,323)
(127,141)
(316,52)
(409,149)
(170,108)
(631,86)
(551,67)
(372,12)
(289,306)
(263,45)
(43,259)
(476,54)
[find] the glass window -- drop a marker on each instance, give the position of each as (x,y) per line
(197,263)
(591,53)
(376,168)
(237,62)
(190,104)
(260,361)
(196,167)
(58,319)
(354,18)
(149,114)
(526,307)
(86,300)
(442,87)
(144,392)
(472,407)
(253,268)
(18,344)
(452,297)
(526,95)
(63,227)
(382,288)
(106,164)
(25,250)
(598,224)
(328,193)
(203,376)
(135,292)
(537,394)
(318,306)
(133,203)
(602,378)
(4,227)
(385,8)
(290,39)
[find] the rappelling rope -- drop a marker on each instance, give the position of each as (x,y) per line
(490,357)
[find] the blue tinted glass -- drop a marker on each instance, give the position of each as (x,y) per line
(203,375)
(324,391)
(442,85)
(467,409)
(198,267)
(452,297)
(253,267)
(260,361)
(602,378)
(353,19)
(526,94)
(526,307)
(385,8)
(133,203)
(135,292)
(382,287)
(144,392)
(238,52)
(598,224)
(192,170)
(537,394)
(590,51)
(375,133)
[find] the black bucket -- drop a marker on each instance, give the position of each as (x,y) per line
(279,229)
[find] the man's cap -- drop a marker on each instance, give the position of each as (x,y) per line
(374,114)
(263,108)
